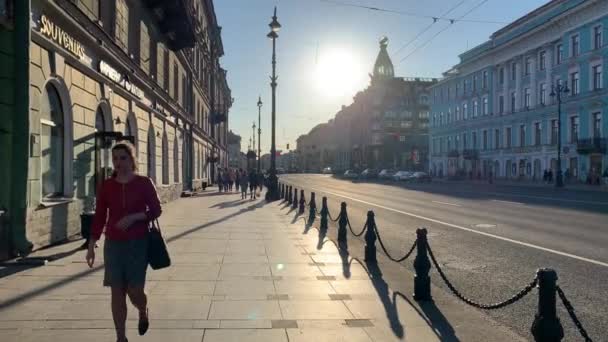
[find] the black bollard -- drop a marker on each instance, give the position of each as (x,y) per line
(370,238)
(294,205)
(290,195)
(342,222)
(302,203)
(546,326)
(324,215)
(422,266)
(281,190)
(312,214)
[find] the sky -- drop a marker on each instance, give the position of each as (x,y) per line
(326,50)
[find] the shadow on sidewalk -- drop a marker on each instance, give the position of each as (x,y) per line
(7,303)
(11,267)
(230,204)
(430,313)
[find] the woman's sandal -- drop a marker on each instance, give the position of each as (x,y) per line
(144,323)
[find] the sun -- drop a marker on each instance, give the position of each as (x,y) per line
(338,72)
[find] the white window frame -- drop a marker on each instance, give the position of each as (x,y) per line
(67,192)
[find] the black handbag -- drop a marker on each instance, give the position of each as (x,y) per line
(158,255)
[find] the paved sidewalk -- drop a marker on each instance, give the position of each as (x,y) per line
(242,271)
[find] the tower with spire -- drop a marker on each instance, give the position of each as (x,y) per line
(383,68)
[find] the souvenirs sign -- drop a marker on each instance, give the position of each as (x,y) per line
(119,79)
(59,36)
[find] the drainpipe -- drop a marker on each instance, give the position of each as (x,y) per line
(20,136)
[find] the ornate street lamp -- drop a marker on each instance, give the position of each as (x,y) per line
(272,194)
(556,92)
(259,132)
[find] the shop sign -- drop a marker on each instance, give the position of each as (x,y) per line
(59,36)
(120,79)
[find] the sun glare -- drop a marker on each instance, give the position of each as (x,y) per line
(339,73)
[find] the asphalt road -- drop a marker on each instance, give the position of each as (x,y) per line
(491,239)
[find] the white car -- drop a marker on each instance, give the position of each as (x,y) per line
(386,174)
(402,176)
(350,174)
(326,171)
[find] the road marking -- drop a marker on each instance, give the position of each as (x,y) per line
(521,243)
(446,203)
(545,198)
(508,202)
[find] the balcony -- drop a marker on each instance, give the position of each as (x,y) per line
(218,117)
(175,21)
(453,154)
(592,145)
(470,154)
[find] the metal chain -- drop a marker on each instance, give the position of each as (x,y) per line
(337,218)
(521,294)
(352,231)
(407,255)
(572,314)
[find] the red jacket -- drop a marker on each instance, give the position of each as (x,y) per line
(116,200)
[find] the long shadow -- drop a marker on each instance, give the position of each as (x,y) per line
(230,204)
(20,265)
(432,316)
(37,292)
(430,313)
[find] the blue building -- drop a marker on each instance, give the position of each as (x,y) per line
(494,113)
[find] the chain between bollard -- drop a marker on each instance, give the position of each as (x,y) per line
(521,294)
(352,231)
(407,255)
(572,314)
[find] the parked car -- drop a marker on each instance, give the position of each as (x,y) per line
(386,174)
(350,174)
(369,173)
(403,176)
(421,177)
(326,171)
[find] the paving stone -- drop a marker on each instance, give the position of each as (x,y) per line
(245,310)
(245,335)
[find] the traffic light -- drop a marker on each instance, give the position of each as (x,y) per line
(288,146)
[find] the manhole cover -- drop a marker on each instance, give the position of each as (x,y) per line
(485,225)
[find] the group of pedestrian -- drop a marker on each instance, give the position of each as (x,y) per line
(548,176)
(230,180)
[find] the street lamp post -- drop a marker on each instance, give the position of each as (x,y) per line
(272,193)
(259,132)
(556,92)
(253,146)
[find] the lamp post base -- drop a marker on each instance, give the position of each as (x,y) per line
(273,189)
(559,179)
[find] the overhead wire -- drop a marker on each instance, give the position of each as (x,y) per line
(442,30)
(410,14)
(424,30)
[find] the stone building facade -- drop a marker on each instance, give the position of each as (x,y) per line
(493,113)
(101,71)
(386,126)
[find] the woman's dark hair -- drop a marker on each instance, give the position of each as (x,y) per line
(129,149)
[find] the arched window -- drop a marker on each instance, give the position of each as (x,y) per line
(176,160)
(52,144)
(165,159)
(151,154)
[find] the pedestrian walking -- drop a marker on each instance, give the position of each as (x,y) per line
(252,184)
(237,179)
(261,181)
(231,179)
(225,179)
(243,183)
(220,180)
(126,204)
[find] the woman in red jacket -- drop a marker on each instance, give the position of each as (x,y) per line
(126,203)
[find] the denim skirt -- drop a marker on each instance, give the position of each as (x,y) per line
(125,262)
